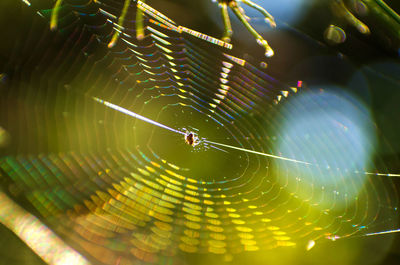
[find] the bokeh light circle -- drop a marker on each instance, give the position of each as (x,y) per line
(335,133)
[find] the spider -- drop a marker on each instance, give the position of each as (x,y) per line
(192,139)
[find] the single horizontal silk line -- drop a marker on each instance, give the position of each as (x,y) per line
(135,115)
(257,153)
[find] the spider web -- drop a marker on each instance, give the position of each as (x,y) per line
(119,189)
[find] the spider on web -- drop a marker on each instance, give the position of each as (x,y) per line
(191,138)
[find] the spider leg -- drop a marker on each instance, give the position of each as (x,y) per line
(139,23)
(268,17)
(342,10)
(227,23)
(121,20)
(260,40)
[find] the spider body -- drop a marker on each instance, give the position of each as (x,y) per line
(191,139)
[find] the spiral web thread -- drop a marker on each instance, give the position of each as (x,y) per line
(116,194)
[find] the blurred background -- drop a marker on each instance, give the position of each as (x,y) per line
(46,78)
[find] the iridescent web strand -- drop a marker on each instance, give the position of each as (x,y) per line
(257,153)
(137,116)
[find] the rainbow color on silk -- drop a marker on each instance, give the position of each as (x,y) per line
(125,189)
